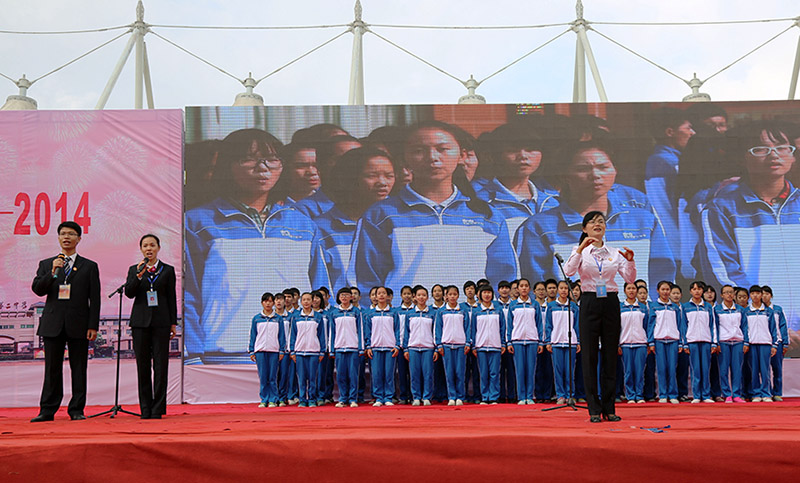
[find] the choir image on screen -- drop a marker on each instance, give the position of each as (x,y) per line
(417,206)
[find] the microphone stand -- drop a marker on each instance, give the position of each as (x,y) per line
(117,407)
(571,403)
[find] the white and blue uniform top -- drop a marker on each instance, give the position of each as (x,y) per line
(314,205)
(488,328)
(407,239)
(345,329)
(557,322)
(230,258)
(633,330)
(630,222)
(698,324)
(514,208)
(746,241)
(525,323)
(761,325)
(663,324)
(451,327)
(382,328)
(337,233)
(419,329)
(308,333)
(780,323)
(660,183)
(731,323)
(267,333)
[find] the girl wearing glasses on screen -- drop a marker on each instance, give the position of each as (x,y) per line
(436,224)
(238,244)
(751,228)
(362,177)
(588,184)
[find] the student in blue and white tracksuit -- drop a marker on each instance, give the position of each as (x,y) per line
(240,243)
(471,374)
(267,348)
(508,378)
(733,344)
(633,343)
(776,362)
(346,345)
(524,333)
(488,329)
(763,337)
(287,374)
(419,347)
(318,304)
(306,345)
(562,342)
(589,178)
(403,390)
(700,339)
(435,223)
(382,337)
(665,339)
(450,332)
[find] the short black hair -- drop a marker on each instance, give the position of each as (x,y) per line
(267,296)
(417,288)
(550,281)
(69,224)
(755,288)
(503,284)
(766,289)
(149,235)
(469,283)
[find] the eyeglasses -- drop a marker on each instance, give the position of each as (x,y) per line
(70,234)
(784,150)
(251,163)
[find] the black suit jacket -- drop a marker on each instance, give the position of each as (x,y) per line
(163,315)
(76,315)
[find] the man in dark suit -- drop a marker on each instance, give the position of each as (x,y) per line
(154,319)
(71,317)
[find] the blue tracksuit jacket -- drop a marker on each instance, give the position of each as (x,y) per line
(514,210)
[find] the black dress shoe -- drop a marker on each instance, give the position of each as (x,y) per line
(77,417)
(612,417)
(41,418)
(155,416)
(594,418)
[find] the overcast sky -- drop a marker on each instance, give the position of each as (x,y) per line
(391,76)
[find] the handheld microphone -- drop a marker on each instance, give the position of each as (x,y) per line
(140,264)
(559,257)
(64,259)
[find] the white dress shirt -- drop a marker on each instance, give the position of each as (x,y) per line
(588,263)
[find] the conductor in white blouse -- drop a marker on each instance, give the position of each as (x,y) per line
(597,265)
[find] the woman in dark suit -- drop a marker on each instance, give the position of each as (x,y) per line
(154,319)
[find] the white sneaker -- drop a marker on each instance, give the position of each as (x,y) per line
(262,405)
(631,401)
(756,399)
(294,401)
(459,402)
(281,404)
(451,402)
(339,404)
(766,399)
(388,403)
(522,402)
(272,405)
(640,401)
(377,404)
(530,401)
(695,401)
(353,404)
(426,402)
(484,403)
(415,403)
(777,398)
(662,400)
(493,403)
(674,401)
(708,400)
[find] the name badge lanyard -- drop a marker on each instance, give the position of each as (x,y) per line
(601,284)
(153,278)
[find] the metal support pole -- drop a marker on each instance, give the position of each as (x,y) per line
(101,103)
(579,85)
(598,82)
(148,84)
(795,70)
(139,75)
(356,95)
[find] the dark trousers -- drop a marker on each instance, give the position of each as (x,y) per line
(544,383)
(599,324)
(716,390)
(682,374)
(472,374)
(53,387)
(403,380)
(650,377)
(151,347)
(508,378)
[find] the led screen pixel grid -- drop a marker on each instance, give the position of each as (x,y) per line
(697,219)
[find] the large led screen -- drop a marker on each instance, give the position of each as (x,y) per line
(310,196)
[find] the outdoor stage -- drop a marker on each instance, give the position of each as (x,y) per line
(491,443)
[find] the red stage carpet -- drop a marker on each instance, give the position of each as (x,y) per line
(707,442)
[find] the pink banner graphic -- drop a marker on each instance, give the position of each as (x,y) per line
(116,173)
